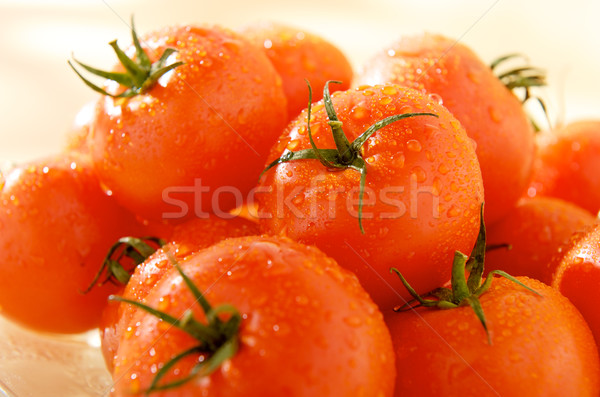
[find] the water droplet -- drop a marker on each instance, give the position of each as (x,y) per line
(436,98)
(419,174)
(414,146)
(453,212)
(389,90)
(293,144)
(443,169)
(385,100)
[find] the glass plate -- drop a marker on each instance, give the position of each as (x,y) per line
(35,364)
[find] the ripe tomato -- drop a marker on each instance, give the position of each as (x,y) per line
(195,141)
(298,56)
(186,238)
(577,275)
(541,346)
(56,225)
(490,113)
(307,327)
(567,164)
(422,190)
(535,229)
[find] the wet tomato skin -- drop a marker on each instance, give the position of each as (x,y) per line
(535,230)
(308,328)
(56,225)
(185,239)
(577,274)
(196,142)
(540,345)
(490,113)
(422,198)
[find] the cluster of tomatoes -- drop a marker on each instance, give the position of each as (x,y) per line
(241,214)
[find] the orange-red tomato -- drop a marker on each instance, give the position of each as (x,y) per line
(535,229)
(490,113)
(422,194)
(197,140)
(56,225)
(307,327)
(299,55)
(577,275)
(568,163)
(186,238)
(540,346)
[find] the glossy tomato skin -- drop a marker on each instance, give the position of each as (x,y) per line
(491,114)
(56,225)
(308,328)
(186,238)
(422,198)
(196,142)
(567,164)
(541,346)
(577,274)
(535,229)
(299,56)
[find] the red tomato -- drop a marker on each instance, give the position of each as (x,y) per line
(195,141)
(541,346)
(577,275)
(535,229)
(307,327)
(186,239)
(56,225)
(490,113)
(567,165)
(422,193)
(298,56)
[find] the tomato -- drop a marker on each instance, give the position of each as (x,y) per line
(194,141)
(56,225)
(299,55)
(422,189)
(490,113)
(567,164)
(541,346)
(186,238)
(535,229)
(577,274)
(307,328)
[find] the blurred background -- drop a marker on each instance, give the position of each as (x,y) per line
(40,95)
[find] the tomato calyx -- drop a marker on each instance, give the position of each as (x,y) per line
(140,75)
(218,339)
(463,291)
(112,269)
(522,79)
(346,154)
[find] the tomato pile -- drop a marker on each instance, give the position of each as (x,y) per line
(243,214)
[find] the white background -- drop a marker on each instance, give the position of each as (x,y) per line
(40,95)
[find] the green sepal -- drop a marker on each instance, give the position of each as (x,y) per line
(218,339)
(140,75)
(463,291)
(134,248)
(346,154)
